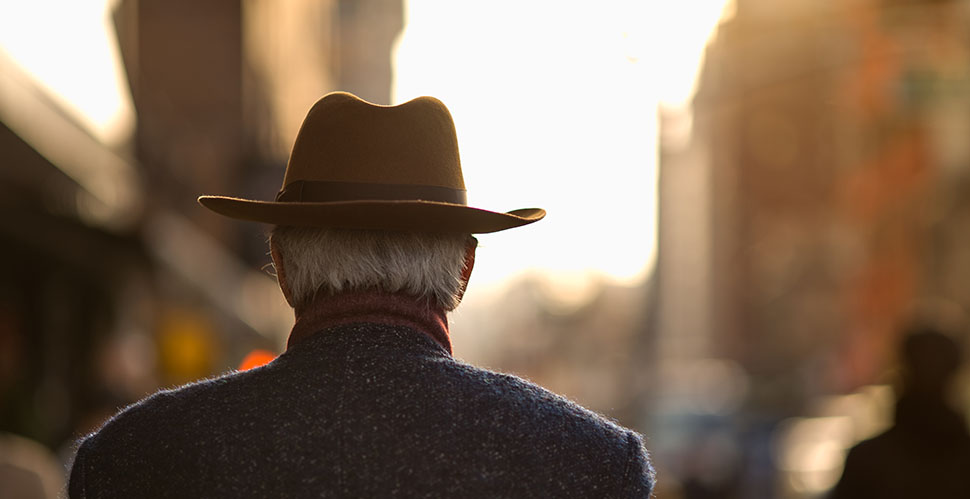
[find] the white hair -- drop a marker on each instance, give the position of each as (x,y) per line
(334,260)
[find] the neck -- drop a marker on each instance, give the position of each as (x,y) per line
(375,307)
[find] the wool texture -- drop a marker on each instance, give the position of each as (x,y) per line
(361,409)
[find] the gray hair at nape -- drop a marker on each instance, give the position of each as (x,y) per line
(331,261)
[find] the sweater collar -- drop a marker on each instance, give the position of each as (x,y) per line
(375,307)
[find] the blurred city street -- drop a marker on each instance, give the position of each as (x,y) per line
(749,202)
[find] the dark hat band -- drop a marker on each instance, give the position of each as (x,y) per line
(319,191)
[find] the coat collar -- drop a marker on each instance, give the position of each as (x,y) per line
(392,309)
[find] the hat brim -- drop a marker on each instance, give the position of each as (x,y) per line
(411,216)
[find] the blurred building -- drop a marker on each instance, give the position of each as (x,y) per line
(819,200)
(118,283)
(67,234)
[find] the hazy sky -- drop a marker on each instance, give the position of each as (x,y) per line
(556,107)
(71,49)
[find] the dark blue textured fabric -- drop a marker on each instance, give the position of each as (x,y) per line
(361,410)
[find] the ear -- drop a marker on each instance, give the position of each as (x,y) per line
(466,271)
(280,273)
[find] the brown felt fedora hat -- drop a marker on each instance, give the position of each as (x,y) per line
(358,165)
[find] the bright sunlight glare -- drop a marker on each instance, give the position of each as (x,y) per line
(69,47)
(556,107)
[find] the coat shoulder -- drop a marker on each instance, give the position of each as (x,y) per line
(162,411)
(536,418)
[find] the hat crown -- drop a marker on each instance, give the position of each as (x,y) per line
(357,165)
(347,139)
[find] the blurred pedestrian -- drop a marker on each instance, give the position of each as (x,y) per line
(926,453)
(372,247)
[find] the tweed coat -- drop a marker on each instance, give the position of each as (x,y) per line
(367,401)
